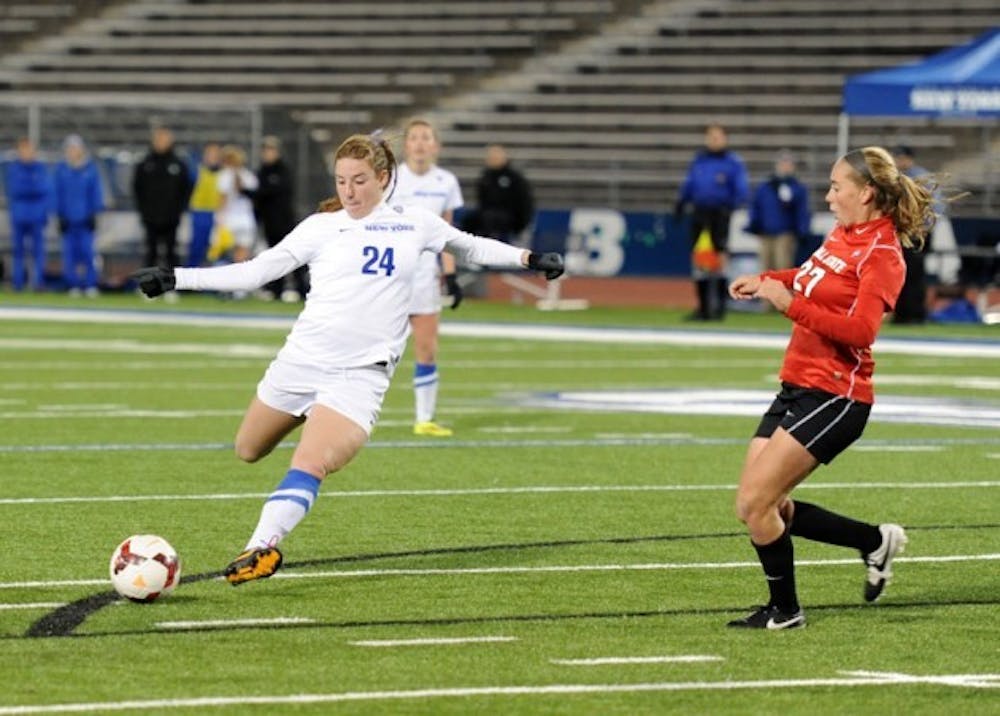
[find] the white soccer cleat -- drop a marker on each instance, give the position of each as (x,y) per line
(880,561)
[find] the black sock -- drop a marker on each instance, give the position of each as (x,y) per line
(778,561)
(820,525)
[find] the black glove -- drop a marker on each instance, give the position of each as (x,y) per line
(154,280)
(551,263)
(454,289)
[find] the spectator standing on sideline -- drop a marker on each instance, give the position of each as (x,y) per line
(29,198)
(836,302)
(274,207)
(162,187)
(237,185)
(420,182)
(332,374)
(79,198)
(779,215)
(205,201)
(505,202)
(715,185)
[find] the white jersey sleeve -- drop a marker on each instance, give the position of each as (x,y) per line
(295,250)
(469,247)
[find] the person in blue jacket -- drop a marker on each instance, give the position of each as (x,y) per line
(78,200)
(29,197)
(715,185)
(779,215)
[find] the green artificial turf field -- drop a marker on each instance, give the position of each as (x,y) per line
(545,559)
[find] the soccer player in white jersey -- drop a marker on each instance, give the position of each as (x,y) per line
(332,373)
(420,182)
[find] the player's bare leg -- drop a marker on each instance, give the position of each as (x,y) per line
(329,441)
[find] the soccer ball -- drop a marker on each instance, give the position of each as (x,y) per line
(144,567)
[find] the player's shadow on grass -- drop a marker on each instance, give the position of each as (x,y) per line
(64,620)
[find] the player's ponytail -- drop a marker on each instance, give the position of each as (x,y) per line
(908,202)
(373,148)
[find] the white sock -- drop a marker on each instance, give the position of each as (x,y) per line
(425,389)
(285,508)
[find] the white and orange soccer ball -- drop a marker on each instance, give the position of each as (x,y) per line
(144,568)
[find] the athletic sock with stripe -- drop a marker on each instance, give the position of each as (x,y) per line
(288,504)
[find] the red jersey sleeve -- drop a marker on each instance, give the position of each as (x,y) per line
(881,280)
(786,276)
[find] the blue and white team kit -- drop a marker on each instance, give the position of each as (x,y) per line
(438,191)
(352,331)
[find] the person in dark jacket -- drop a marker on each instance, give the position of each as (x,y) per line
(779,215)
(505,205)
(273,202)
(29,198)
(78,200)
(715,185)
(161,186)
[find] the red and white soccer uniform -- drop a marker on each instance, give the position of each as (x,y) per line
(840,296)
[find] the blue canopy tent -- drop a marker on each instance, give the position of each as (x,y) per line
(963,81)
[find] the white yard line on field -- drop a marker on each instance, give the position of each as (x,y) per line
(615,660)
(212,623)
(64,413)
(531,489)
(32,605)
(847,680)
(650,567)
(897,448)
(536,569)
(536,332)
(442,641)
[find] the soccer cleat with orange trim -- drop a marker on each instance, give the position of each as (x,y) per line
(253,564)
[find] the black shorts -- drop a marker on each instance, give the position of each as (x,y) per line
(825,424)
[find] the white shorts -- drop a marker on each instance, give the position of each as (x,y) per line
(426,297)
(355,393)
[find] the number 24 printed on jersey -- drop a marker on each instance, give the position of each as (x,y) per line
(378,261)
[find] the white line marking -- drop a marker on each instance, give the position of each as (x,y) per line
(861,679)
(652,566)
(124,413)
(971,382)
(988,681)
(604,660)
(538,489)
(133,346)
(444,641)
(38,584)
(514,429)
(538,332)
(644,436)
(211,623)
(33,605)
(898,448)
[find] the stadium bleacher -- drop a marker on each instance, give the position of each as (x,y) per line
(601,102)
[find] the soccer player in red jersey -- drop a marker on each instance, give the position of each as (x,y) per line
(836,301)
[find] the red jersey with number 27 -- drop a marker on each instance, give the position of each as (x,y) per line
(840,296)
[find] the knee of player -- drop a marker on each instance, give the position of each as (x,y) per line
(748,505)
(248,453)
